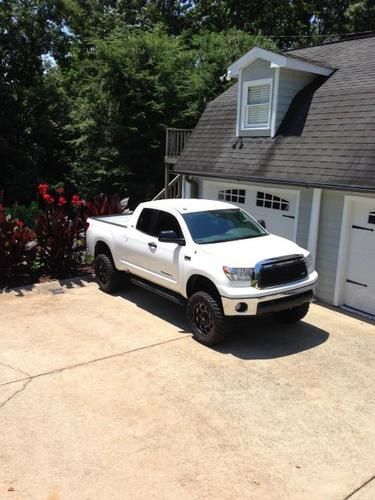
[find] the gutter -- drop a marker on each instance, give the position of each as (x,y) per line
(262,180)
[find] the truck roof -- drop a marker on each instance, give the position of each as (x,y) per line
(188,205)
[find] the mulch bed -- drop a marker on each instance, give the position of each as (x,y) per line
(43,278)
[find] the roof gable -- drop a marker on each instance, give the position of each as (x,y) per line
(330,142)
(276,60)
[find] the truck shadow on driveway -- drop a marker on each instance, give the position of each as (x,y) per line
(253,338)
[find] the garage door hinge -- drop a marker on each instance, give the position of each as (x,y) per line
(356,283)
(363,228)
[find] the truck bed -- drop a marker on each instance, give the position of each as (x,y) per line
(117,220)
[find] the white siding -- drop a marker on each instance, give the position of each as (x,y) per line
(332,204)
(329,241)
(290,83)
(258,70)
(305,203)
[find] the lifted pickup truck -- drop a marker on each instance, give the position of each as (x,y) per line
(210,255)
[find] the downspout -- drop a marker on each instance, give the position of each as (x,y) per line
(192,187)
(312,244)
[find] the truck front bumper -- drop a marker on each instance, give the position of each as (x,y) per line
(270,302)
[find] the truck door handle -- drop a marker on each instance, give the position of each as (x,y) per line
(152,245)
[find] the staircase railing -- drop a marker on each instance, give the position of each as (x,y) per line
(175,141)
(173,190)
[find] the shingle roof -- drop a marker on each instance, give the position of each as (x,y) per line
(333,145)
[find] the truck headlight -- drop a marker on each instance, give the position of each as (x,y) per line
(238,273)
(309,263)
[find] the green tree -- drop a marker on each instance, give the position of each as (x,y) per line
(123,92)
(31,139)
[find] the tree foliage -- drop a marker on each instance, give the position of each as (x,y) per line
(87,87)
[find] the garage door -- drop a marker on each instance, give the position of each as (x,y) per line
(277,207)
(360,276)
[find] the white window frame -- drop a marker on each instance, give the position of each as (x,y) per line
(245,90)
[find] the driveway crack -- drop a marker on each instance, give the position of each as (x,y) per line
(363,485)
(25,384)
(14,368)
(29,378)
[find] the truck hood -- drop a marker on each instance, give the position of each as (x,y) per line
(246,253)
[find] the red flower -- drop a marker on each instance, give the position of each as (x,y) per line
(19,223)
(61,201)
(48,198)
(60,190)
(76,200)
(43,188)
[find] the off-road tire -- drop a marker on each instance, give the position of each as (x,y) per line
(292,315)
(206,318)
(107,276)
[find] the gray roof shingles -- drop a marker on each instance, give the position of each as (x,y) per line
(336,145)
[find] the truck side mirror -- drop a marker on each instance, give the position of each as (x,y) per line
(262,222)
(171,237)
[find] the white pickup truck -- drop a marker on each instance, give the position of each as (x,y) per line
(210,255)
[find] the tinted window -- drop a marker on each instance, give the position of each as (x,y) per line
(216,226)
(145,221)
(167,222)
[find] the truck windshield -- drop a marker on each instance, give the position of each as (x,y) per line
(215,226)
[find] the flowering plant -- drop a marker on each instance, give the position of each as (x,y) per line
(60,230)
(17,248)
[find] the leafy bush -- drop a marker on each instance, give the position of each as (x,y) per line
(105,205)
(60,229)
(17,248)
(25,213)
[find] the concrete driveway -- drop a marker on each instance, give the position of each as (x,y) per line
(107,397)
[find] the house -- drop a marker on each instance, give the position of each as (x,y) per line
(293,142)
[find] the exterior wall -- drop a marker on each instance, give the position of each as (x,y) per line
(258,70)
(331,212)
(290,83)
(305,202)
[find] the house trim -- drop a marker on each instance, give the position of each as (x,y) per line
(312,244)
(276,60)
(284,182)
(274,102)
(343,251)
(239,111)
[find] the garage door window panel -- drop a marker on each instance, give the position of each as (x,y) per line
(371,218)
(268,200)
(232,195)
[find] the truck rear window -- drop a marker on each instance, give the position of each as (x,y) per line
(216,226)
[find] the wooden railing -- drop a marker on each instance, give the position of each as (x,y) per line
(176,140)
(173,190)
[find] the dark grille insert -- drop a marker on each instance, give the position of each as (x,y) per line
(277,273)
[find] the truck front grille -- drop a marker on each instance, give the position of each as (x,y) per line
(282,271)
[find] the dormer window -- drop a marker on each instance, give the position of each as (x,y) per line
(257,97)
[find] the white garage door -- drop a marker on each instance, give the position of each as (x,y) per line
(277,207)
(360,276)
